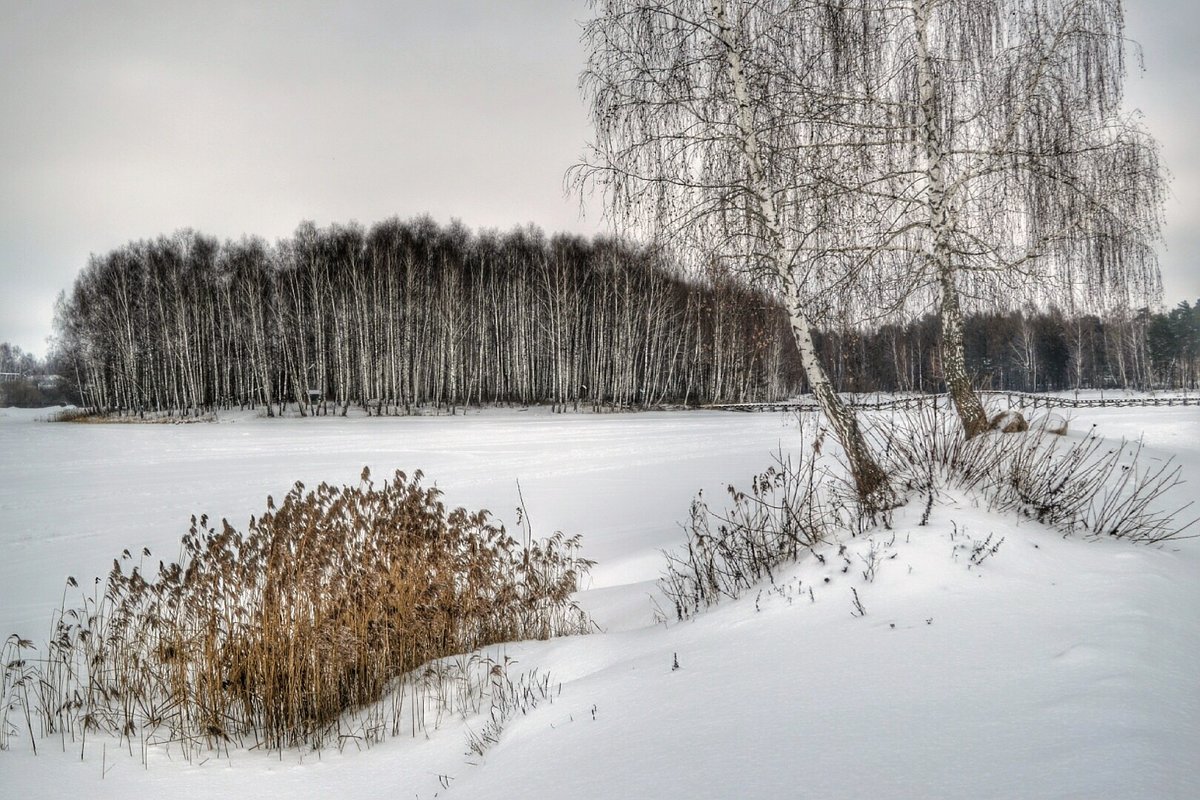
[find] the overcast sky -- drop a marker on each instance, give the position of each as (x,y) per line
(123,121)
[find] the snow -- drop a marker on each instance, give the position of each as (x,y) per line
(1058,668)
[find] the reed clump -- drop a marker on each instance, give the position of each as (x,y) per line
(328,602)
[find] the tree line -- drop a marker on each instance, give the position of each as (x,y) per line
(1027,350)
(408,314)
(27,381)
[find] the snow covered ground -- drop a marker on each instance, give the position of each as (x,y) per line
(1059,668)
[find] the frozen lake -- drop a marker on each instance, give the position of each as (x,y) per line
(73,496)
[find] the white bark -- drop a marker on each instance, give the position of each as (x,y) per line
(871,481)
(958,382)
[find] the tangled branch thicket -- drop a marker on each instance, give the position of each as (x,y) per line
(1084,485)
(788,510)
(331,598)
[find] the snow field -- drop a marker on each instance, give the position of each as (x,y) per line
(1056,668)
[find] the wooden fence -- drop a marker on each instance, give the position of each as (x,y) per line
(1015,400)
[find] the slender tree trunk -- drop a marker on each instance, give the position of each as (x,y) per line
(871,482)
(954,363)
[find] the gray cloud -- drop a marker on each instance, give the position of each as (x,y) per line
(126,120)
(123,121)
(1167,94)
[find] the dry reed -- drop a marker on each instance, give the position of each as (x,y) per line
(291,633)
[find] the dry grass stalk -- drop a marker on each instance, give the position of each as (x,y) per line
(328,603)
(1082,485)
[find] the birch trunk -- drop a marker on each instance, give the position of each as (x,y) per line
(958,383)
(870,481)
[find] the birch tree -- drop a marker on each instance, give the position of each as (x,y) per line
(955,152)
(1034,186)
(710,121)
(405,314)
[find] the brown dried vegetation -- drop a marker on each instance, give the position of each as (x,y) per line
(329,602)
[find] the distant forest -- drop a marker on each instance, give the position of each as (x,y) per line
(410,314)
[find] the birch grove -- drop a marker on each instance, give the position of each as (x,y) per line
(410,315)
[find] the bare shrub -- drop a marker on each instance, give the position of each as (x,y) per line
(1084,484)
(279,633)
(786,512)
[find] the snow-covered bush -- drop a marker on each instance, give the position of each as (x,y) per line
(1082,483)
(1074,483)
